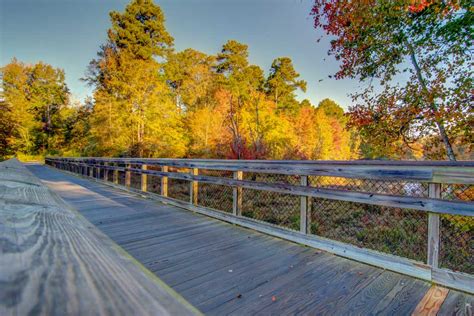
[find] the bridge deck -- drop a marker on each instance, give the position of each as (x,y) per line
(224,269)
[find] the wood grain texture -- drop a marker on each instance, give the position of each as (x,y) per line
(461,172)
(225,269)
(462,208)
(54,262)
(431,302)
(456,280)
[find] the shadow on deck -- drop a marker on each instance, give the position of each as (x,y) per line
(225,269)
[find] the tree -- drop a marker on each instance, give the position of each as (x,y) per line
(419,51)
(191,75)
(332,109)
(134,111)
(6,129)
(243,83)
(140,31)
(47,95)
(34,96)
(76,129)
(282,83)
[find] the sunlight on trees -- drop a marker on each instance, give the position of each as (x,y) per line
(151,101)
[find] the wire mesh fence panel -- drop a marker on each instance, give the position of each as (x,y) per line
(218,197)
(415,189)
(101,173)
(178,189)
(271,207)
(274,208)
(457,243)
(153,182)
(460,192)
(121,177)
(135,180)
(457,232)
(271,178)
(391,230)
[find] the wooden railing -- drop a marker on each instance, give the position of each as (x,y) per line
(438,177)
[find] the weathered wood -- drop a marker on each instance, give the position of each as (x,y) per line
(106,172)
(305,209)
(457,303)
(433,205)
(115,176)
(144,180)
(410,202)
(378,259)
(237,195)
(164,181)
(461,172)
(433,228)
(431,302)
(128,175)
(227,270)
(456,280)
(193,188)
(54,262)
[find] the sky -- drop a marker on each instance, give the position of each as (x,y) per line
(67,34)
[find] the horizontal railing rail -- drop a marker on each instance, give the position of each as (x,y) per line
(391,214)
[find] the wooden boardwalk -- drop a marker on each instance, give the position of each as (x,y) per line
(225,269)
(54,262)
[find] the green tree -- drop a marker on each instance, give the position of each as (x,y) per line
(245,84)
(6,129)
(140,30)
(34,96)
(134,111)
(332,109)
(282,83)
(47,95)
(191,75)
(420,52)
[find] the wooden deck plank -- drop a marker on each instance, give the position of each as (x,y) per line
(54,262)
(457,303)
(194,254)
(431,302)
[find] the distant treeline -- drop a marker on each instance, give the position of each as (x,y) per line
(151,101)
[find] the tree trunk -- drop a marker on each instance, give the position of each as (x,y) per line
(439,123)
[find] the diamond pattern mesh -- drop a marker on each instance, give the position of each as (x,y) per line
(457,232)
(390,230)
(374,186)
(218,197)
(178,189)
(274,208)
(154,182)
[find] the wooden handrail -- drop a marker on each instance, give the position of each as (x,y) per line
(434,205)
(460,172)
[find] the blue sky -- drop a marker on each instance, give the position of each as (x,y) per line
(67,34)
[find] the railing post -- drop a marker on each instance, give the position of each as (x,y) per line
(91,171)
(128,175)
(434,191)
(237,195)
(106,172)
(115,174)
(98,172)
(164,182)
(305,208)
(144,179)
(193,188)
